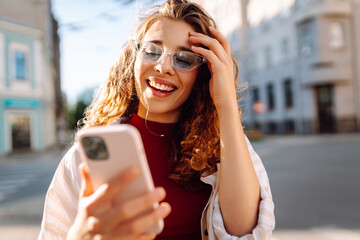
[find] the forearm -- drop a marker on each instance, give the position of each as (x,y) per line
(239,191)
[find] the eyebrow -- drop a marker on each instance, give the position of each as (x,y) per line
(179,48)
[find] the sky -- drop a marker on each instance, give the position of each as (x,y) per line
(260,9)
(92,33)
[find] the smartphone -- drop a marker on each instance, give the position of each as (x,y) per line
(108,150)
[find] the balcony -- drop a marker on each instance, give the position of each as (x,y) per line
(312,9)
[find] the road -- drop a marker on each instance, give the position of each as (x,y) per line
(315,183)
(24,179)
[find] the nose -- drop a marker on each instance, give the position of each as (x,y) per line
(163,65)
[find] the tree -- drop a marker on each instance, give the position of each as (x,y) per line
(76,111)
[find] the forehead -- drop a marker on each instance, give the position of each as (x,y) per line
(171,33)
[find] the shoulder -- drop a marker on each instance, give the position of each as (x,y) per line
(67,172)
(72,157)
(61,200)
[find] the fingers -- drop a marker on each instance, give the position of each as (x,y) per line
(105,194)
(86,186)
(123,179)
(147,237)
(222,39)
(142,224)
(130,209)
(136,228)
(131,219)
(219,45)
(208,54)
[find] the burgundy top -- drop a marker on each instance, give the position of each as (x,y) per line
(183,223)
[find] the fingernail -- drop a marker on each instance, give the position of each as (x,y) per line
(165,209)
(91,223)
(160,192)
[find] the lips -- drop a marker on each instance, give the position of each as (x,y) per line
(160,85)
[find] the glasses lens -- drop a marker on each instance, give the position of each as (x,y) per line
(185,61)
(150,52)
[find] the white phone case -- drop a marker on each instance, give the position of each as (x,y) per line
(123,147)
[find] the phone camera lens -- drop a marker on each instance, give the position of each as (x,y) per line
(95,148)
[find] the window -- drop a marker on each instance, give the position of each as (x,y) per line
(270,97)
(256,96)
(285,48)
(268,56)
(289,126)
(271,127)
(288,93)
(19,65)
(305,39)
(336,35)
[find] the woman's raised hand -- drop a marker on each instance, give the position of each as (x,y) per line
(99,217)
(218,54)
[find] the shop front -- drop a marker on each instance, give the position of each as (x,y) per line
(20,125)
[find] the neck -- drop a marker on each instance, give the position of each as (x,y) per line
(169,117)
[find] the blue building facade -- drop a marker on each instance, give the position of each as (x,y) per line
(27,108)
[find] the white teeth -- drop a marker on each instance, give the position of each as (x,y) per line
(160,86)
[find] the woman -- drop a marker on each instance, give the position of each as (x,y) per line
(175,83)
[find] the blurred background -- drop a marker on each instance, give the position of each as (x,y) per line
(299,81)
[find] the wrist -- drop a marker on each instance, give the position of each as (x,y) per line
(227,109)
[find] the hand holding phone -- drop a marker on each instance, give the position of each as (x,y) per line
(108,153)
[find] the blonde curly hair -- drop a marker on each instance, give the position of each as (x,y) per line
(196,137)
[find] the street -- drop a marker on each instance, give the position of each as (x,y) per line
(315,183)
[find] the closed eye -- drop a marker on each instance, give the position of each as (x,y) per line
(152,53)
(184,61)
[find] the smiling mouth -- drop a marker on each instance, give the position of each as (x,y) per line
(160,87)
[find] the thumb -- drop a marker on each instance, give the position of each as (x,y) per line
(86,186)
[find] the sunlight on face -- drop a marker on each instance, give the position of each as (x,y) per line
(161,88)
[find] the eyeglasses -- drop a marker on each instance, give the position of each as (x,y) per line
(182,60)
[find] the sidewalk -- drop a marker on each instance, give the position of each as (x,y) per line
(21,220)
(317,234)
(286,140)
(54,153)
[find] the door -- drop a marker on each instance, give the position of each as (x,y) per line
(325,103)
(20,131)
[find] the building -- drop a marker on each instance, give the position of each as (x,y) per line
(302,61)
(30,96)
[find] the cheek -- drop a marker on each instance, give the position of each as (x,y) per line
(191,79)
(141,70)
(137,76)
